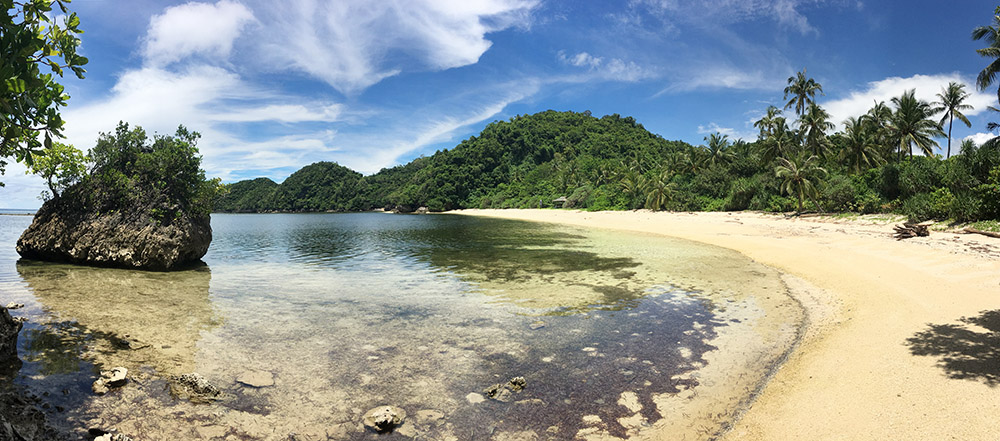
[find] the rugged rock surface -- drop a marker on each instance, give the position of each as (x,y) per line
(9,328)
(384,418)
(64,231)
(194,387)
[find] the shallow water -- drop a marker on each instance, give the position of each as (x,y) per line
(617,335)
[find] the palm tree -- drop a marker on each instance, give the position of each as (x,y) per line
(991,34)
(813,126)
(718,149)
(766,123)
(803,91)
(800,177)
(632,184)
(779,143)
(860,151)
(952,103)
(660,191)
(912,124)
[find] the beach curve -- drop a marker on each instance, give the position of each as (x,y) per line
(858,373)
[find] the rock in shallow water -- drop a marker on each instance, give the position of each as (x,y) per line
(384,418)
(193,387)
(256,379)
(65,231)
(9,328)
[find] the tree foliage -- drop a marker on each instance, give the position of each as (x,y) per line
(61,166)
(34,51)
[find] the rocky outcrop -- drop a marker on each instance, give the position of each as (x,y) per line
(9,328)
(136,237)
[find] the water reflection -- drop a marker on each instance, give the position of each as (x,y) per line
(123,317)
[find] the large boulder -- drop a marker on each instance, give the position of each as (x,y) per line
(133,237)
(9,328)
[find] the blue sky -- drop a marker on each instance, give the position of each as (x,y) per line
(276,85)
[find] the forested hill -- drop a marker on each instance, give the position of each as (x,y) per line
(525,162)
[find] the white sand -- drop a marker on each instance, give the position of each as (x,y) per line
(854,377)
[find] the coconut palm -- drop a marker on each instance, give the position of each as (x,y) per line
(718,149)
(632,185)
(781,142)
(878,121)
(660,191)
(860,151)
(951,101)
(799,177)
(803,91)
(812,129)
(912,125)
(766,123)
(991,34)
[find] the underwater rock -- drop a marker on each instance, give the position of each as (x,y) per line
(113,437)
(384,418)
(504,392)
(534,326)
(13,305)
(429,416)
(193,387)
(9,328)
(256,379)
(109,379)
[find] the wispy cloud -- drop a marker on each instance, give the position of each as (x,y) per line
(787,13)
(613,69)
(348,44)
(734,134)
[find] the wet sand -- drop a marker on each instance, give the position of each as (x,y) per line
(901,339)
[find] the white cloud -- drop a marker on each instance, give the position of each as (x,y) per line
(614,69)
(347,43)
(195,29)
(719,77)
(980,138)
(746,135)
(927,87)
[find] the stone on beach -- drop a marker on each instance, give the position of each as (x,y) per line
(114,378)
(9,328)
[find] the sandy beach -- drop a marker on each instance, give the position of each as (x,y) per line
(887,354)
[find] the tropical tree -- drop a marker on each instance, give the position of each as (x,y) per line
(766,123)
(780,143)
(61,165)
(801,178)
(812,128)
(660,191)
(718,149)
(878,121)
(802,90)
(632,185)
(30,39)
(951,101)
(991,34)
(912,125)
(860,152)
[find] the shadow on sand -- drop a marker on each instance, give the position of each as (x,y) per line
(970,350)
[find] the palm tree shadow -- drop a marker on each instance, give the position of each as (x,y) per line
(966,351)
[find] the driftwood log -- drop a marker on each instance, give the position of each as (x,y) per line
(970,230)
(908,230)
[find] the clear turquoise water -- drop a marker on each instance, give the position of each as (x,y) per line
(349,311)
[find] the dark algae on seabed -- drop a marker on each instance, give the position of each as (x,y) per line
(615,335)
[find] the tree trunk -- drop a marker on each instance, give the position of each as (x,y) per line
(951,119)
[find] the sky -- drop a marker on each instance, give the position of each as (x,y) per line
(273,86)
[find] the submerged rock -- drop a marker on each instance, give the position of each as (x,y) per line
(13,305)
(110,379)
(256,379)
(64,231)
(384,418)
(505,392)
(9,328)
(193,387)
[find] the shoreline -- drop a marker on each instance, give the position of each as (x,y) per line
(857,373)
